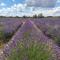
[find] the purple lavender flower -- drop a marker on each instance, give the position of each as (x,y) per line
(26,35)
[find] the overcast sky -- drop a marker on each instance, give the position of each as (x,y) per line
(29,7)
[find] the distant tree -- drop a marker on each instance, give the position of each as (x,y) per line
(35,16)
(17,16)
(40,15)
(2,16)
(24,16)
(49,16)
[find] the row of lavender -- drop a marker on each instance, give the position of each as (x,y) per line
(8,27)
(50,28)
(18,47)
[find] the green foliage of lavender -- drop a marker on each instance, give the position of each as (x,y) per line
(30,51)
(4,37)
(57,40)
(8,36)
(34,52)
(1,34)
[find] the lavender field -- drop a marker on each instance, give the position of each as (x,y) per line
(29,38)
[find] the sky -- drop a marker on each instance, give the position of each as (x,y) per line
(29,7)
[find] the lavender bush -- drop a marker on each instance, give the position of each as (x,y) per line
(50,28)
(29,43)
(9,28)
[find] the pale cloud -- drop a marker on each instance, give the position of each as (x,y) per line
(23,9)
(58,0)
(41,3)
(13,10)
(13,0)
(56,11)
(2,4)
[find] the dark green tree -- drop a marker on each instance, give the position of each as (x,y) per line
(40,15)
(35,16)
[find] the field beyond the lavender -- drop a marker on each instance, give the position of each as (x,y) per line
(29,38)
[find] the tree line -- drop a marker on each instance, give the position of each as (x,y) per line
(34,16)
